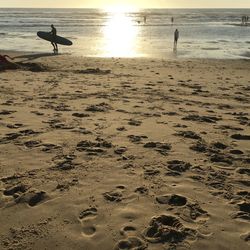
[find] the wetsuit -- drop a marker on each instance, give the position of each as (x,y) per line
(53,32)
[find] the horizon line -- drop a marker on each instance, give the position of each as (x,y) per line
(102,8)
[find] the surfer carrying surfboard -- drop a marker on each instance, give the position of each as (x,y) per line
(54,39)
(53,42)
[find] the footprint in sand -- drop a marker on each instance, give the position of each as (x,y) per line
(244,194)
(219,145)
(243,171)
(240,137)
(9,137)
(199,147)
(94,148)
(131,243)
(16,190)
(208,119)
(89,213)
(127,230)
(80,115)
(102,107)
(120,150)
(177,167)
(37,113)
(188,210)
(113,196)
(63,126)
(66,164)
(136,138)
(244,211)
(142,190)
(32,198)
(168,229)
(88,231)
(49,147)
(236,152)
(245,237)
(12,136)
(221,158)
(121,128)
(133,122)
(162,148)
(188,134)
(151,172)
(86,218)
(32,144)
(16,125)
(7,112)
(172,200)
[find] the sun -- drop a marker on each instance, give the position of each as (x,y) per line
(119,34)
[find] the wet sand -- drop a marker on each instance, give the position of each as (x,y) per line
(125,154)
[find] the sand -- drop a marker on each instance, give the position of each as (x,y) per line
(102,154)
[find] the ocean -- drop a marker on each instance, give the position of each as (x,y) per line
(204,33)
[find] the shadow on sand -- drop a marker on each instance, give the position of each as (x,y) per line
(30,57)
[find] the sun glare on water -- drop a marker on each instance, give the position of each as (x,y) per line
(120,32)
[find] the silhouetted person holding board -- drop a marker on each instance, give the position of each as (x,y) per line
(53,42)
(176,37)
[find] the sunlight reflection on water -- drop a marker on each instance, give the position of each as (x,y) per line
(119,36)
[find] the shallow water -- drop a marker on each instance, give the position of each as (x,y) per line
(211,33)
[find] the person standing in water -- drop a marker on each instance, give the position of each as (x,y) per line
(53,33)
(176,37)
(172,20)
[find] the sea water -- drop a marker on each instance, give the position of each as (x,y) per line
(204,33)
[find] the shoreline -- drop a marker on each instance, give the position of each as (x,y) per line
(16,53)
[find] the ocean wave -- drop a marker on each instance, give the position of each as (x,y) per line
(246,54)
(223,41)
(238,24)
(210,48)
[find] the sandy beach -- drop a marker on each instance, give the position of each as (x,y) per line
(102,154)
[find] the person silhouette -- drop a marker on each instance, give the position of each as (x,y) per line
(176,37)
(53,42)
(4,60)
(6,64)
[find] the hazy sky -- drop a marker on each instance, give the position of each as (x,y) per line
(127,3)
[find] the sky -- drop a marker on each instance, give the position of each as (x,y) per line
(125,3)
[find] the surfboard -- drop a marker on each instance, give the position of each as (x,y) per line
(58,39)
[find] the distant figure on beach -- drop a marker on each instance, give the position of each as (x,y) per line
(6,64)
(244,20)
(172,20)
(145,19)
(176,37)
(54,44)
(4,60)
